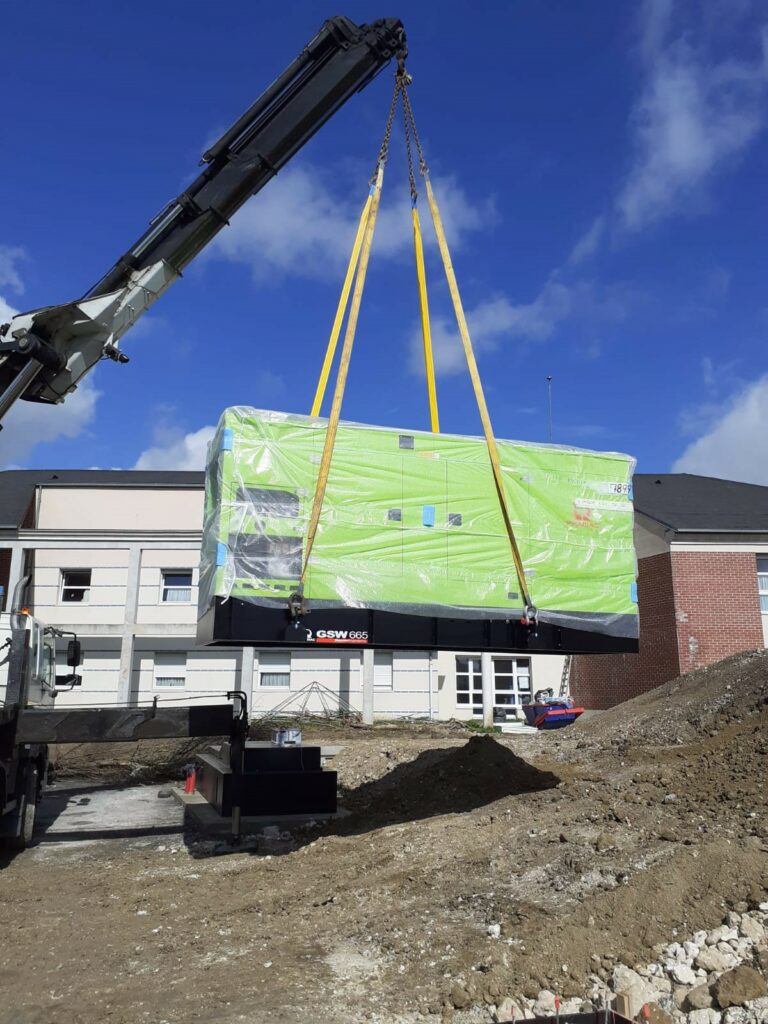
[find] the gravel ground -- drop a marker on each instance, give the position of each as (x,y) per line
(469,871)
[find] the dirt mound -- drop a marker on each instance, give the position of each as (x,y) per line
(448,781)
(688,708)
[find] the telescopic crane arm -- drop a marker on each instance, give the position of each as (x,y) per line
(44,353)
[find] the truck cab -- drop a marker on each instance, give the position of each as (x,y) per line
(27,680)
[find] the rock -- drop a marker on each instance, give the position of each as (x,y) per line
(732,919)
(698,998)
(736,987)
(752,930)
(459,996)
(721,934)
(637,990)
(603,843)
(508,1010)
(736,1015)
(655,1015)
(679,995)
(571,1005)
(545,1003)
(691,950)
(712,959)
(683,974)
(704,1017)
(759,1008)
(494,931)
(700,938)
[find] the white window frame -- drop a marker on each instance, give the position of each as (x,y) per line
(522,668)
(165,673)
(762,582)
(513,690)
(86,590)
(383,670)
(279,664)
(165,587)
(474,680)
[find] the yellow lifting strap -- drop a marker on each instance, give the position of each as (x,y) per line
(330,352)
(490,440)
(426,330)
(341,377)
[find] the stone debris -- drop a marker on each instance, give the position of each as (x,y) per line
(707,979)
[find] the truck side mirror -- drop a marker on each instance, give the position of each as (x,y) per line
(74,656)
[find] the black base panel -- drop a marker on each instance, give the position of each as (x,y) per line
(270,792)
(236,623)
(281,759)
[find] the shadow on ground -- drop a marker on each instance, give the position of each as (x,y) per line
(450,780)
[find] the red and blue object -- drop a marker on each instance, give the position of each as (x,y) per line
(554,714)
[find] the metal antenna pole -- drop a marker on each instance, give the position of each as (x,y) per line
(549,403)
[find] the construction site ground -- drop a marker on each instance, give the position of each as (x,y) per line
(587,847)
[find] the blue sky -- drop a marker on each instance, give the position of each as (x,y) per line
(601,168)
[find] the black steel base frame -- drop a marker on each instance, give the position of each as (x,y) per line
(236,623)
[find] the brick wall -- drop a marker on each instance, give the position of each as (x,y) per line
(717,605)
(601,680)
(696,607)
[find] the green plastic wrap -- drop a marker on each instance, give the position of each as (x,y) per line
(411,523)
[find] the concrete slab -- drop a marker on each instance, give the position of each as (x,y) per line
(517,728)
(76,811)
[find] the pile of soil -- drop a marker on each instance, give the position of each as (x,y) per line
(686,709)
(468,871)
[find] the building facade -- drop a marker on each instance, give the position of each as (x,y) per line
(702,586)
(114,557)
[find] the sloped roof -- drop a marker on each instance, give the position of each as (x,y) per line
(679,501)
(17,486)
(687,503)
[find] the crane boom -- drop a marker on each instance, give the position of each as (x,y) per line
(45,352)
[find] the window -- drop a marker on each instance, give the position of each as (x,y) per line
(511,683)
(469,684)
(382,670)
(275,669)
(762,581)
(75,585)
(177,586)
(170,669)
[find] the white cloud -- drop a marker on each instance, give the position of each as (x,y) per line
(734,444)
(499,320)
(10,257)
(695,113)
(589,242)
(30,423)
(185,451)
(303,226)
(6,311)
(174,448)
